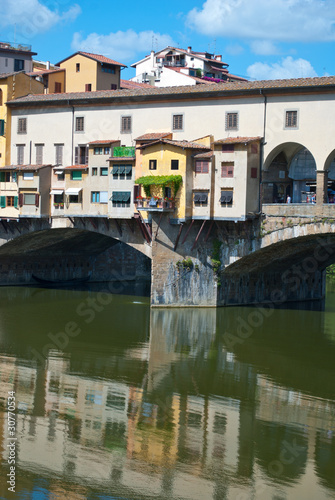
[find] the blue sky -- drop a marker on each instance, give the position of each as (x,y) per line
(259,39)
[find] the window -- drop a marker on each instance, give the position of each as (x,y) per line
(58,87)
(108,68)
(10,201)
(177,122)
(2,127)
(81,155)
(129,172)
(200,199)
(152,164)
(60,176)
(79,124)
(103,171)
(113,86)
(88,87)
(28,176)
(202,166)
(95,196)
(76,175)
(122,172)
(107,151)
(18,64)
(174,164)
(39,154)
(1,98)
(22,126)
(95,171)
(226,198)
(103,196)
(29,199)
(291,120)
(20,154)
(98,151)
(74,198)
(231,121)
(59,154)
(77,67)
(125,124)
(4,176)
(14,176)
(253,172)
(227,169)
(121,199)
(58,198)
(228,148)
(6,62)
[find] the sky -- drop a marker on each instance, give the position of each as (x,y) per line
(259,39)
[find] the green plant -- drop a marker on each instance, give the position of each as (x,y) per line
(186,264)
(197,268)
(175,181)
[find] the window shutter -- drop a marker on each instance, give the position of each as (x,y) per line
(86,155)
(137,191)
(16,199)
(3,201)
(2,127)
(20,199)
(37,199)
(2,177)
(76,155)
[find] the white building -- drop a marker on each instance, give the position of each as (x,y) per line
(173,67)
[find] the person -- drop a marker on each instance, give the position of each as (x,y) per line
(288,199)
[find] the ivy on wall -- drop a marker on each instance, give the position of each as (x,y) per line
(160,180)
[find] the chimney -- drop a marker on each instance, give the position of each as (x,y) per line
(152,58)
(189,49)
(218,58)
(47,65)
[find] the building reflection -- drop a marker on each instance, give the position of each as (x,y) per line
(204,421)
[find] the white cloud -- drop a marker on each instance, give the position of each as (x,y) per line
(264,48)
(234,49)
(287,68)
(32,17)
(122,45)
(283,20)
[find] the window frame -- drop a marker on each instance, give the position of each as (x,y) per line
(286,119)
(28,176)
(175,125)
(228,116)
(125,121)
(153,164)
(200,204)
(174,164)
(230,204)
(39,153)
(22,126)
(29,194)
(227,165)
(103,171)
(201,170)
(59,151)
(76,172)
(78,127)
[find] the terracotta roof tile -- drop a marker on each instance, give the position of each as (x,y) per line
(127,84)
(178,144)
(121,158)
(104,141)
(238,140)
(76,167)
(45,71)
(207,154)
(25,167)
(96,57)
(152,136)
(225,89)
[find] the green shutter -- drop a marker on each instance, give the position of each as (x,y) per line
(2,177)
(16,200)
(77,175)
(2,127)
(3,201)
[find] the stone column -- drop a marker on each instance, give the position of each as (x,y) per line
(321,187)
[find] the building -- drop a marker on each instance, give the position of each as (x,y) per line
(15,57)
(173,66)
(86,72)
(12,85)
(53,79)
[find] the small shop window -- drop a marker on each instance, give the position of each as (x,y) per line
(226,198)
(200,199)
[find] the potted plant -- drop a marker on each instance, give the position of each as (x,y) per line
(139,201)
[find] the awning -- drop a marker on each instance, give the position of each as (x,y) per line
(197,198)
(200,197)
(58,170)
(122,169)
(115,169)
(226,197)
(57,191)
(73,190)
(128,169)
(121,196)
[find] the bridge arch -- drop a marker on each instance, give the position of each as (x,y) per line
(70,253)
(289,170)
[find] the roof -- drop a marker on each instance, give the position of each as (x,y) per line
(238,140)
(104,141)
(44,72)
(76,167)
(152,136)
(24,167)
(224,89)
(96,57)
(128,84)
(196,78)
(3,76)
(178,144)
(197,55)
(122,158)
(207,154)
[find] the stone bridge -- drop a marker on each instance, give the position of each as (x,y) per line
(276,258)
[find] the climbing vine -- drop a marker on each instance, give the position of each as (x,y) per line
(160,180)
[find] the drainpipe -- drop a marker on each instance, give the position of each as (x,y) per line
(30,152)
(72,133)
(261,155)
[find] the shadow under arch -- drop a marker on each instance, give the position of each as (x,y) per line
(289,170)
(66,253)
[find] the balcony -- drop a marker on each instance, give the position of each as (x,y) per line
(15,46)
(155,205)
(123,152)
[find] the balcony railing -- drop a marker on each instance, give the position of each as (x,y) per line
(15,46)
(154,205)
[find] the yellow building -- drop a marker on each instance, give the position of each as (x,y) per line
(85,72)
(53,79)
(12,85)
(166,167)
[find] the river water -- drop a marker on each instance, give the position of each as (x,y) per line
(117,401)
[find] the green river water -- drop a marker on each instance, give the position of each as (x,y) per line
(116,401)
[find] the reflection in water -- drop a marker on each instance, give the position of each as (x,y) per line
(169,404)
